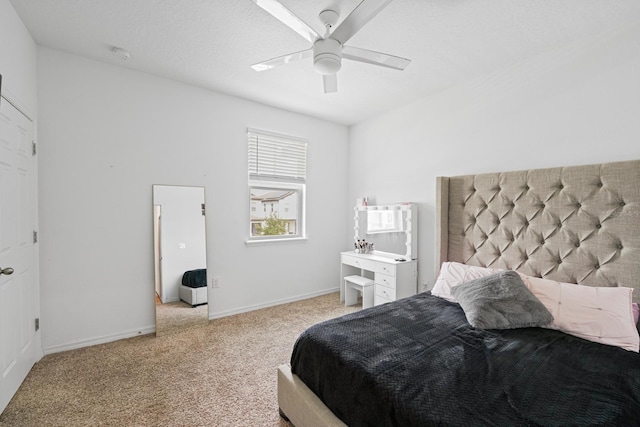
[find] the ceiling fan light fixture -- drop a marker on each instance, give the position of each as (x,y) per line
(329,49)
(327,56)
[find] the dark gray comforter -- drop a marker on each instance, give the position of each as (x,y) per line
(417,362)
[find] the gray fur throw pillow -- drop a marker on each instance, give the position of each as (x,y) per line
(500,301)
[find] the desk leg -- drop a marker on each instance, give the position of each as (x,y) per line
(367,296)
(342,276)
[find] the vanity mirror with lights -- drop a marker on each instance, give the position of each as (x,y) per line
(390,228)
(389,257)
(180,254)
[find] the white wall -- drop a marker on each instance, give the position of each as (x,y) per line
(17,60)
(579,105)
(108,134)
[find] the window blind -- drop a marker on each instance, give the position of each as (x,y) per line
(276,156)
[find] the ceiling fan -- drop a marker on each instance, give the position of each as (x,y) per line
(329,50)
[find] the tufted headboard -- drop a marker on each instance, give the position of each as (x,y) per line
(578,224)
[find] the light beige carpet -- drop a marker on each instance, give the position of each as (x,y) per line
(221,374)
(176,316)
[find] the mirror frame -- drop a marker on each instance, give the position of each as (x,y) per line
(409,227)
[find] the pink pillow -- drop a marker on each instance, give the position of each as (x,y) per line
(598,314)
(453,274)
(636,312)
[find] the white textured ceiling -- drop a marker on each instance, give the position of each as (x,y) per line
(212,43)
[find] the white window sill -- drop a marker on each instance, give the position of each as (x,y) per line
(259,242)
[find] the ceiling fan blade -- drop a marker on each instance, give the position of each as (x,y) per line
(287,17)
(281,60)
(330,82)
(375,58)
(358,18)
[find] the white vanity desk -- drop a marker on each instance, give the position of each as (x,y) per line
(392,279)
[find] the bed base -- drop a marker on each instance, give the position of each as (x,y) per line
(300,405)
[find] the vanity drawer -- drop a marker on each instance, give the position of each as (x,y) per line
(377,300)
(385,293)
(366,264)
(384,268)
(385,280)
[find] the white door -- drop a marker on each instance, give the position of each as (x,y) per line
(19,343)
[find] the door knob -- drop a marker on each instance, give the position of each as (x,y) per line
(6,271)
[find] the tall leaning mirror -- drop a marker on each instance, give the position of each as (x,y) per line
(180,254)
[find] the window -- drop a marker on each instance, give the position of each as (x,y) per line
(277,176)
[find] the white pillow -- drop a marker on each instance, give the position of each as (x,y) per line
(455,273)
(599,314)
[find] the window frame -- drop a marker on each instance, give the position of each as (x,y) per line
(300,189)
(271,181)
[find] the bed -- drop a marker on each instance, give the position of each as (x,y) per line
(418,361)
(193,288)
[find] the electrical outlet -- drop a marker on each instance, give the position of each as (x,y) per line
(215,282)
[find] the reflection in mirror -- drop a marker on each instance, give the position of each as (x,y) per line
(384,221)
(180,258)
(388,228)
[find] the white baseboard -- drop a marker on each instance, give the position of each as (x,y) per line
(271,303)
(98,340)
(151,329)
